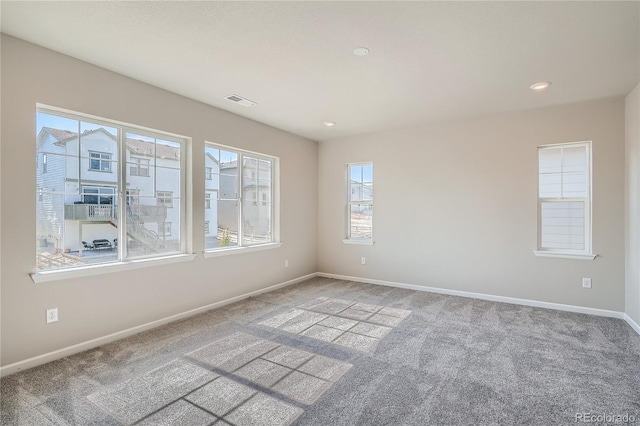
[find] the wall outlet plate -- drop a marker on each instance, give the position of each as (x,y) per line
(52,315)
(586,282)
(363,260)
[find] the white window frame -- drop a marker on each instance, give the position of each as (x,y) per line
(275,205)
(108,158)
(124,262)
(587,253)
(350,239)
(164,198)
(137,166)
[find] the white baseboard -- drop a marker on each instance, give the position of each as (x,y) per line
(632,323)
(504,299)
(93,343)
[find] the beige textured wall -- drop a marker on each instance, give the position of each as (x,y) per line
(455,206)
(96,306)
(632,137)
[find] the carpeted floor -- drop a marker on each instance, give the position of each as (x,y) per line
(329,352)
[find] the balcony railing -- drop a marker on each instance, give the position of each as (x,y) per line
(109,212)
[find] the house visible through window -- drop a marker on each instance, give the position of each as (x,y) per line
(78,209)
(99,161)
(360,202)
(564,199)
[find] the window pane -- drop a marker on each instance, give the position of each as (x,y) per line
(563,225)
(367,173)
(361,221)
(227,232)
(360,196)
(73,228)
(256,214)
(355,173)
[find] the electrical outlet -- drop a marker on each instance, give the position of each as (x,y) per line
(363,260)
(52,315)
(286,263)
(586,282)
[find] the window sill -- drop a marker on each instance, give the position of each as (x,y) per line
(87,271)
(358,242)
(565,255)
(238,250)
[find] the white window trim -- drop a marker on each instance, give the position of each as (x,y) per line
(349,239)
(275,205)
(360,241)
(238,250)
(587,253)
(105,268)
(564,255)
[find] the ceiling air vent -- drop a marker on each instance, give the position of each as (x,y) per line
(240,100)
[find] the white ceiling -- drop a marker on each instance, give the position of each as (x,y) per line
(428,61)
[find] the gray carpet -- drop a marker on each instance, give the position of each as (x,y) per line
(329,352)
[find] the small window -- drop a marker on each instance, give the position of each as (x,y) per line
(44,163)
(360,202)
(164,198)
(167,229)
(99,161)
(564,199)
(208,173)
(207,200)
(139,166)
(206,226)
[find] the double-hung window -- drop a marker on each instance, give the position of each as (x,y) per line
(360,203)
(87,218)
(238,179)
(564,200)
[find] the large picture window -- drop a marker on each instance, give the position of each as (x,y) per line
(564,199)
(238,179)
(360,203)
(80,219)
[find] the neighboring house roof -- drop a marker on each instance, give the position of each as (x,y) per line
(59,134)
(135,146)
(140,147)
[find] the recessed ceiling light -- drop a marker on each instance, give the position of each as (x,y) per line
(360,51)
(329,123)
(538,87)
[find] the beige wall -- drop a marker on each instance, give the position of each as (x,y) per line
(455,206)
(632,137)
(96,306)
